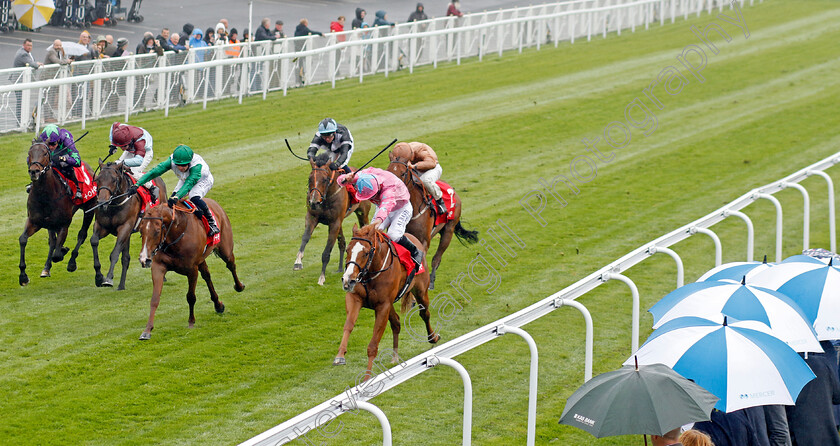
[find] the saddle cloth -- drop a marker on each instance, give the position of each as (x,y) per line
(86,182)
(448,200)
(145,195)
(211,241)
(405,258)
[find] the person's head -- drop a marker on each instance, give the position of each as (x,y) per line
(220,29)
(174,38)
(149,41)
(360,13)
(304,22)
(278,25)
(51,135)
(101,42)
(366,186)
(419,7)
(198,34)
(27,45)
(84,38)
(456,3)
(382,15)
(234,34)
(327,129)
(57,45)
(209,35)
(246,34)
(122,42)
(181,157)
(265,22)
(668,438)
(341,19)
(164,33)
(110,39)
(225,22)
(694,437)
(188,29)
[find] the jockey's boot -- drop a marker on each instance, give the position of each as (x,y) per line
(28,187)
(155,193)
(202,206)
(416,254)
(441,206)
(78,191)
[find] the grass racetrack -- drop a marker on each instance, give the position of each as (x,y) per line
(73,372)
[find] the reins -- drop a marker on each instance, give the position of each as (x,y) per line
(332,179)
(365,275)
(160,246)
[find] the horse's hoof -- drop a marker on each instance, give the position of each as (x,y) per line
(339,361)
(23,280)
(71,267)
(108,283)
(98,280)
(191,325)
(145,336)
(239,287)
(435,339)
(121,288)
(220,308)
(321,280)
(298,267)
(45,273)
(431,285)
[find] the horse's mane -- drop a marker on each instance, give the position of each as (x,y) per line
(367,230)
(322,159)
(37,141)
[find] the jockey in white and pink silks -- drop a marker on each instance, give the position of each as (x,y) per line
(393,203)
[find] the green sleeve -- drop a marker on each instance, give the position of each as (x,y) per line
(195,175)
(159,170)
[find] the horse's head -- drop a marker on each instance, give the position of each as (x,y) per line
(153,230)
(38,160)
(111,180)
(360,253)
(320,179)
(399,165)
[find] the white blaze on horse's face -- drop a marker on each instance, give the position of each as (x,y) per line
(354,254)
(145,253)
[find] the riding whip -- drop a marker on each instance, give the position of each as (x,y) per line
(293,153)
(380,153)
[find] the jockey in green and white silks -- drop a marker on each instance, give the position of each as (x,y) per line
(194,180)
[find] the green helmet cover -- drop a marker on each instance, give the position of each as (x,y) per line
(182,155)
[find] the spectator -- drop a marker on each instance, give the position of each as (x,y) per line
(225,22)
(278,30)
(122,44)
(196,41)
(382,19)
(150,45)
(693,437)
(163,40)
(141,47)
(778,431)
(728,429)
(210,36)
(233,37)
(755,415)
(360,18)
(454,9)
(110,48)
(221,34)
(670,438)
(101,43)
(55,54)
(175,43)
(303,29)
(92,52)
(337,27)
(811,420)
(246,35)
(263,33)
(187,32)
(418,14)
(23,58)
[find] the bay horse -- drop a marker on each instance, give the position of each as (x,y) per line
(372,279)
(116,218)
(422,224)
(327,203)
(50,206)
(175,240)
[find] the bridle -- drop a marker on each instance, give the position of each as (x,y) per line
(162,246)
(315,188)
(122,178)
(365,275)
(44,167)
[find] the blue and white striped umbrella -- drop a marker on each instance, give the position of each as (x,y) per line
(713,300)
(813,285)
(735,271)
(741,363)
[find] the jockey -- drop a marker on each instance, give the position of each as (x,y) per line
(194,179)
(63,153)
(337,140)
(424,159)
(391,197)
(136,144)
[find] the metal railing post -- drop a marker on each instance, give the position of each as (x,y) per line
(680,270)
(715,238)
(590,333)
(831,223)
(383,420)
(779,222)
(750,230)
(532,380)
(806,213)
(465,377)
(634,291)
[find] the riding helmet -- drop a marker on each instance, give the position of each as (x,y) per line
(366,186)
(327,126)
(50,133)
(182,155)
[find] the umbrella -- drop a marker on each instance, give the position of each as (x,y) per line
(74,49)
(648,399)
(715,299)
(741,363)
(735,270)
(33,13)
(813,285)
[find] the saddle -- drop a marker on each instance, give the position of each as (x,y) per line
(191,209)
(83,180)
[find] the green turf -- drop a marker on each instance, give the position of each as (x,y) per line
(73,372)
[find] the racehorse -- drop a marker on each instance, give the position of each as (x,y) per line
(174,240)
(327,203)
(50,206)
(422,224)
(372,279)
(116,218)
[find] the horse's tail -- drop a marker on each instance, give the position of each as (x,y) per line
(464,234)
(407,300)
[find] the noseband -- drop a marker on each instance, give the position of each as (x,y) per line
(162,246)
(364,275)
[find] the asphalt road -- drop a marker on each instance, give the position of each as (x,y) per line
(206,13)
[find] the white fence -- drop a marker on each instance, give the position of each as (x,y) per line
(123,86)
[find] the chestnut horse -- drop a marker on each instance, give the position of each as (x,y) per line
(116,218)
(175,240)
(422,224)
(372,279)
(50,206)
(327,203)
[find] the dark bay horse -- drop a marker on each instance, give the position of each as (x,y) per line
(175,240)
(327,203)
(422,224)
(372,279)
(118,218)
(50,206)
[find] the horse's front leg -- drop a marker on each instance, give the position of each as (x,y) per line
(59,250)
(52,247)
(394,320)
(309,227)
(158,272)
(119,248)
(28,230)
(98,233)
(352,303)
(192,278)
(80,239)
(334,228)
(445,239)
(205,274)
(125,234)
(342,245)
(383,311)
